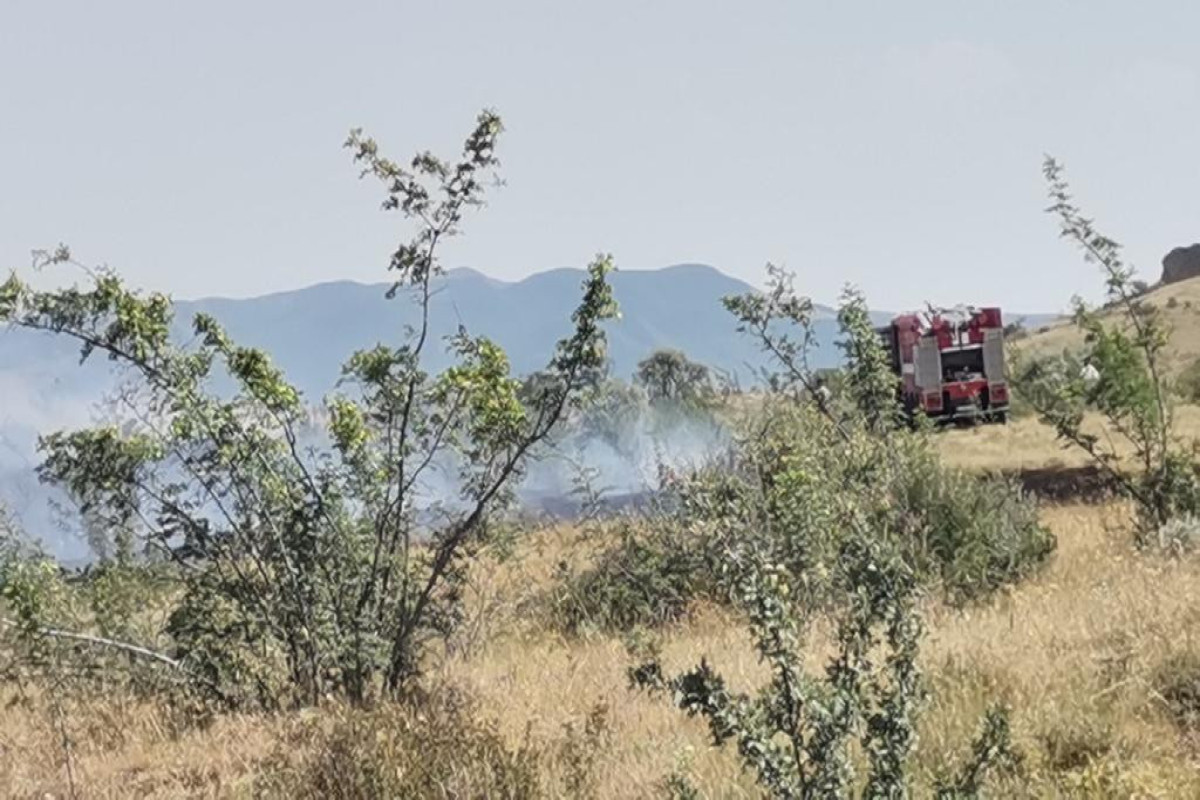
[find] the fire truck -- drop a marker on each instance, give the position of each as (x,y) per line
(950,363)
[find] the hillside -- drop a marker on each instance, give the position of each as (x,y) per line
(1079,652)
(1179,304)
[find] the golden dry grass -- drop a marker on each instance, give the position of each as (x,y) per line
(1029,444)
(1072,650)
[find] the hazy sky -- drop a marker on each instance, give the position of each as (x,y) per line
(197,147)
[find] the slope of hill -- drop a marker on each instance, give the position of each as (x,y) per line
(1180,307)
(1027,444)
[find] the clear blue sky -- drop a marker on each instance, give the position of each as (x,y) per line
(196,147)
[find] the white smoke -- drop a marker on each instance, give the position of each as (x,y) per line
(627,462)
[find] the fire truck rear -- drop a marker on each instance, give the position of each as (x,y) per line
(950,363)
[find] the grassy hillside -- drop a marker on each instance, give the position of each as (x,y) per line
(1094,655)
(1179,304)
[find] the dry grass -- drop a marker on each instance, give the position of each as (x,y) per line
(123,748)
(1075,651)
(1021,444)
(1072,651)
(1028,444)
(1083,653)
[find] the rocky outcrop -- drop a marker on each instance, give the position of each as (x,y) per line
(1181,263)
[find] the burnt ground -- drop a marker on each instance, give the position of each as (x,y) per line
(1052,484)
(1060,484)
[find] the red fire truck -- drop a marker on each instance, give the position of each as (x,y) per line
(950,363)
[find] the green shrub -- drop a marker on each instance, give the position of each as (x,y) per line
(837,504)
(803,467)
(970,534)
(1187,385)
(305,573)
(1124,382)
(670,376)
(808,733)
(965,534)
(648,577)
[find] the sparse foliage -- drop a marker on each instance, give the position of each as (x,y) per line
(781,322)
(970,534)
(1120,376)
(868,378)
(311,571)
(650,576)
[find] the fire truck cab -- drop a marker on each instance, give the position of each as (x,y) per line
(950,363)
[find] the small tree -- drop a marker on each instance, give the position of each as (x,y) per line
(868,378)
(781,322)
(795,733)
(1120,375)
(670,376)
(310,571)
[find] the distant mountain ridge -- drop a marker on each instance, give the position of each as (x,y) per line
(310,331)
